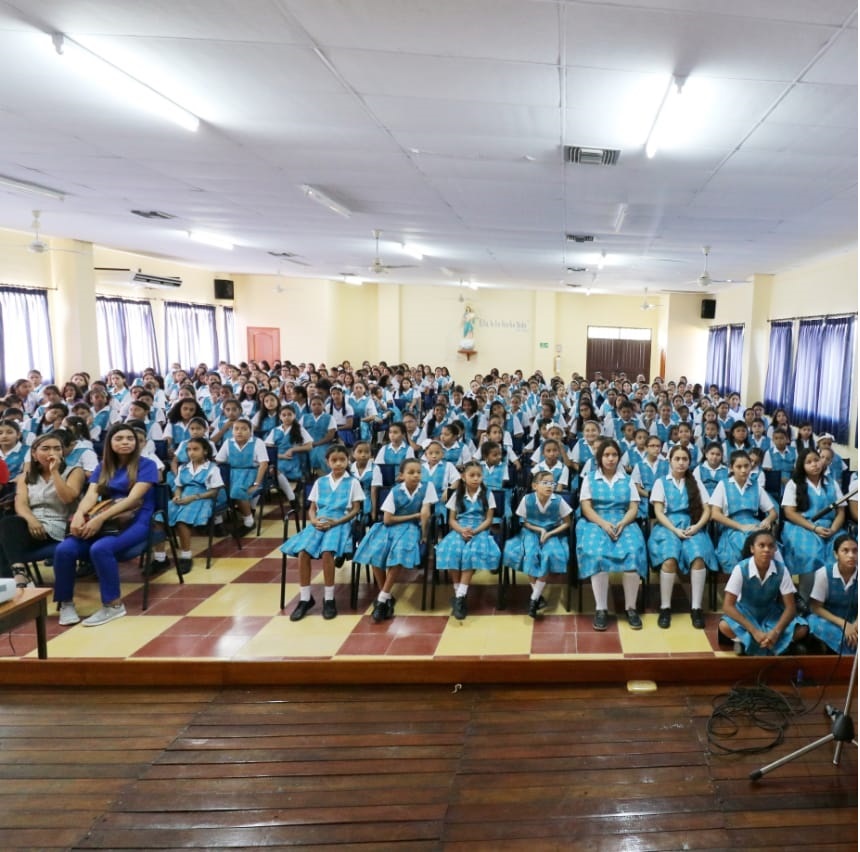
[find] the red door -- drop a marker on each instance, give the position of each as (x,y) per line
(264,344)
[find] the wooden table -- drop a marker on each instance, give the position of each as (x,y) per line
(27,604)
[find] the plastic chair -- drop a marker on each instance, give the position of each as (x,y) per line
(232,514)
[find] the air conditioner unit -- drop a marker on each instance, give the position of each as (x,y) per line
(142,279)
(128,278)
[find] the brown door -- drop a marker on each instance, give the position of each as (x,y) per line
(610,356)
(264,344)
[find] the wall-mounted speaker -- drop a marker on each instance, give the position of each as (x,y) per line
(709,308)
(223,288)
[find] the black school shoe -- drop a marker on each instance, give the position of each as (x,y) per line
(185,565)
(458,608)
(534,608)
(698,619)
(379,611)
(329,609)
(664,619)
(633,619)
(601,620)
(302,609)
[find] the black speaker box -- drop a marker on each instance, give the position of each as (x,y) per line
(709,308)
(223,288)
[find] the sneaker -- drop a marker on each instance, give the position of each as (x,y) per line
(664,620)
(302,609)
(380,608)
(534,607)
(68,614)
(601,619)
(185,565)
(104,615)
(329,609)
(698,619)
(459,609)
(633,619)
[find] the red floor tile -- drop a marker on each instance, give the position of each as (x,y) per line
(367,643)
(411,625)
(555,625)
(560,643)
(416,644)
(223,647)
(169,646)
(17,644)
(260,575)
(367,626)
(598,643)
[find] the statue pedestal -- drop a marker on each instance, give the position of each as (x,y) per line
(467,352)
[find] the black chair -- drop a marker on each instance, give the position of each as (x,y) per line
(159,531)
(360,528)
(232,515)
(388,473)
(161,449)
(773,484)
(269,488)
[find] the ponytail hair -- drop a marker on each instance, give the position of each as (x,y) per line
(798,476)
(693,497)
(461,490)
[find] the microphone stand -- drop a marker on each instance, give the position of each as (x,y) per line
(834,505)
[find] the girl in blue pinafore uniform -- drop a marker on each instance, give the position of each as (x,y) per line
(469,546)
(322,429)
(248,460)
(495,472)
(364,411)
(541,546)
(679,541)
(364,469)
(607,536)
(197,485)
(834,599)
(758,607)
(646,472)
(397,450)
(334,500)
(268,417)
(712,471)
(197,428)
(292,443)
(441,473)
(735,507)
(12,451)
(396,541)
(807,544)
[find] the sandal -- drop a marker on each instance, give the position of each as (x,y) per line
(22,578)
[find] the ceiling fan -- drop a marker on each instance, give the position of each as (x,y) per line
(380,268)
(646,305)
(37,245)
(705,280)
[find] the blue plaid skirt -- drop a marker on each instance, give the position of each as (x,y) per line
(314,542)
(453,553)
(764,621)
(524,552)
(386,546)
(194,514)
(663,544)
(829,634)
(596,551)
(803,550)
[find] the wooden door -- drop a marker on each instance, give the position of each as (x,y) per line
(264,344)
(608,355)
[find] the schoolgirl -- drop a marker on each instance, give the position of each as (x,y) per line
(469,546)
(806,543)
(710,435)
(80,452)
(541,546)
(662,428)
(805,439)
(269,415)
(432,428)
(343,415)
(553,463)
(759,613)
(679,541)
(712,470)
(737,439)
(180,415)
(735,507)
(833,602)
(52,417)
(119,392)
(783,455)
(636,451)
(583,450)
(231,411)
(837,463)
(364,469)
(196,487)
(608,538)
(495,471)
(648,470)
(249,399)
(103,414)
(363,410)
(758,435)
(395,542)
(248,460)
(441,473)
(12,450)
(322,428)
(397,449)
(291,440)
(453,448)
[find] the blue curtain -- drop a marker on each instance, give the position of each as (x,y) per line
(777,386)
(26,338)
(807,371)
(833,411)
(227,347)
(715,370)
(735,359)
(190,335)
(126,334)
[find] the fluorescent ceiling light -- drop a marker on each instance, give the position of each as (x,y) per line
(412,250)
(352,280)
(667,119)
(325,201)
(32,188)
(210,239)
(620,216)
(120,83)
(601,261)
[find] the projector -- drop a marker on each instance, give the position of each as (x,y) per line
(8,589)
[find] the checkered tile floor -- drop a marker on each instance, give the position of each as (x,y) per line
(231,611)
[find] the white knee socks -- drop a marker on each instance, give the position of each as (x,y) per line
(667,583)
(697,588)
(630,581)
(600,587)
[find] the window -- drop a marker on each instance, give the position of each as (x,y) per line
(126,334)
(190,335)
(25,335)
(227,347)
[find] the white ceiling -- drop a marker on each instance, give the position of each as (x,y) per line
(442,122)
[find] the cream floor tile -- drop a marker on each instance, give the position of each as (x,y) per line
(486,634)
(119,638)
(242,599)
(679,638)
(311,637)
(224,570)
